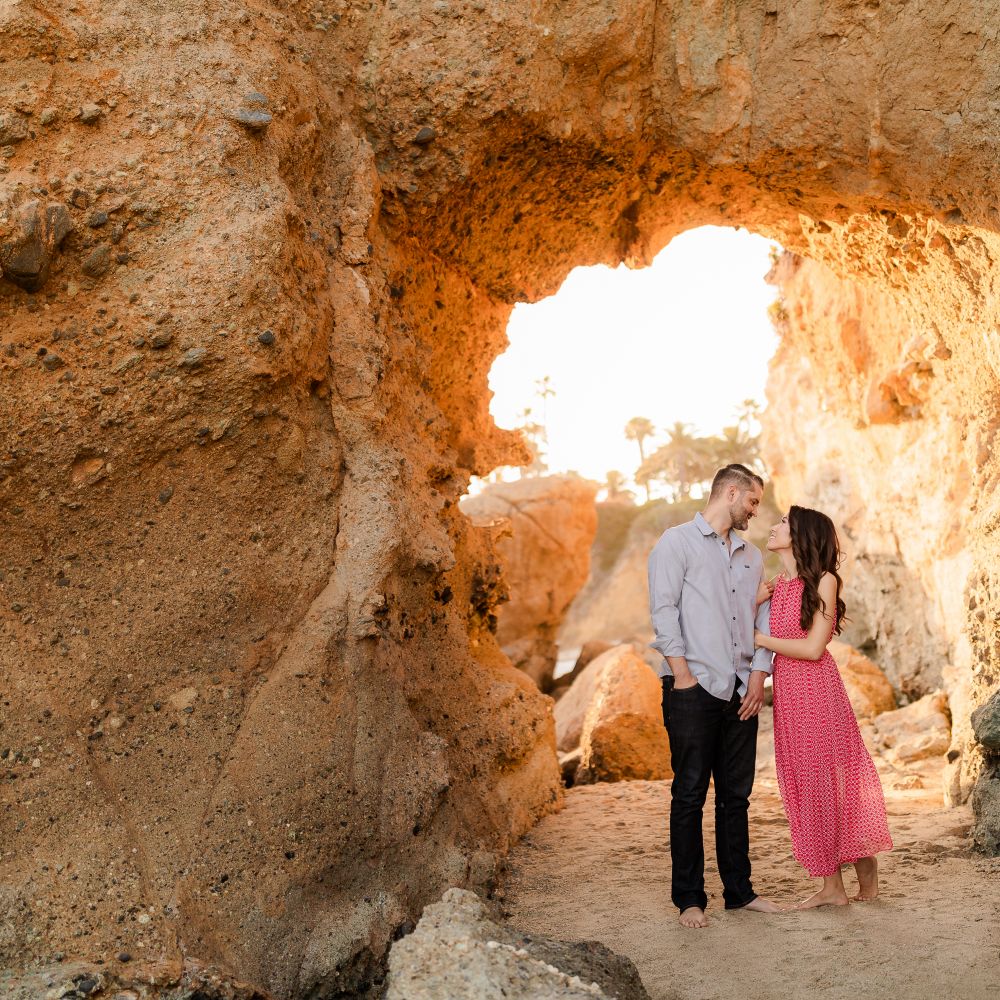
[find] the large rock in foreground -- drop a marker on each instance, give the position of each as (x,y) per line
(867,686)
(613,714)
(458,953)
(550,524)
(920,730)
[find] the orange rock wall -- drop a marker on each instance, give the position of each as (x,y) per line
(243,373)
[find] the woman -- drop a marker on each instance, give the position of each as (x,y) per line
(831,791)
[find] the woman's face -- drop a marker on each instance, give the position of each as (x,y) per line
(780,536)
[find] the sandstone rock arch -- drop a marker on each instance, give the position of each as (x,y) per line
(246,629)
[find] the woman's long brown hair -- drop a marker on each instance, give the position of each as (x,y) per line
(817,551)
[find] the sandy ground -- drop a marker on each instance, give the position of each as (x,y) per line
(600,869)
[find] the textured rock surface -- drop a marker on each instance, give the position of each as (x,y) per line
(867,687)
(162,981)
(920,730)
(609,724)
(272,519)
(457,952)
(571,709)
(896,445)
(545,551)
(623,736)
(986,724)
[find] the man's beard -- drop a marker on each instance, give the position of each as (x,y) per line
(740,518)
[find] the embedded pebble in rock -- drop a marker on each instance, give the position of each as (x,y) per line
(97,262)
(97,219)
(90,114)
(29,245)
(193,358)
(13,129)
(48,116)
(161,339)
(52,362)
(266,338)
(424,136)
(254,120)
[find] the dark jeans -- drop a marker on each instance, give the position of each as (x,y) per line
(708,740)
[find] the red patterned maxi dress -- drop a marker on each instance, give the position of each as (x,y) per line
(829,785)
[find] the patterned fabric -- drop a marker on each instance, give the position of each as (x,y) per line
(829,785)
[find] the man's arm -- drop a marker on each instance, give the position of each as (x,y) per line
(760,667)
(666,577)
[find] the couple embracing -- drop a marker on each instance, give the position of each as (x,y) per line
(722,629)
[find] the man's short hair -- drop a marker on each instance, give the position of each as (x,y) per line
(736,474)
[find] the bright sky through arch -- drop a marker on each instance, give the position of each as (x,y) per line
(687,338)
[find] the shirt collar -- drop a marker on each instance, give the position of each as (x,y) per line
(706,529)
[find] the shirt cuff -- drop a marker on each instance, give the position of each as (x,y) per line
(669,647)
(763,660)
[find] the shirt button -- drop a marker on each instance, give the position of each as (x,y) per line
(734,617)
(734,590)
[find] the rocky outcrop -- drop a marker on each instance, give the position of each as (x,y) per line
(609,724)
(243,400)
(544,529)
(457,952)
(916,731)
(867,686)
(889,447)
(624,738)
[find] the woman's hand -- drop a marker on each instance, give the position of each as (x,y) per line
(760,640)
(765,590)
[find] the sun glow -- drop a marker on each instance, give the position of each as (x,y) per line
(686,340)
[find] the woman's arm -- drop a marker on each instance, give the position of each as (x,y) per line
(814,644)
(764,590)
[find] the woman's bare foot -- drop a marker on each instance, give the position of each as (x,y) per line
(693,916)
(833,893)
(823,898)
(867,872)
(762,905)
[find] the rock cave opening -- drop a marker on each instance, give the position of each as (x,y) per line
(256,266)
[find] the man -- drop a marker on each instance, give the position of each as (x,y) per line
(705,582)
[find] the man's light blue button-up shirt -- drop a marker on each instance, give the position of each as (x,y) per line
(702,600)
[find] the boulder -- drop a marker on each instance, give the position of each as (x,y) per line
(986,806)
(986,723)
(571,709)
(920,730)
(30,236)
(612,712)
(867,686)
(545,551)
(623,733)
(457,952)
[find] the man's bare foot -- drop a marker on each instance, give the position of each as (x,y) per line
(867,872)
(825,897)
(762,905)
(693,916)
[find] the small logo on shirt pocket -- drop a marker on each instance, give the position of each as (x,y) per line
(746,565)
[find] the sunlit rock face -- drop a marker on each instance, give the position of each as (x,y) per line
(256,266)
(885,441)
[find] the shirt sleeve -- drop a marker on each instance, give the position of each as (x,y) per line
(666,576)
(763,659)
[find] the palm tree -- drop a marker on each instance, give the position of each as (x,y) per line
(614,484)
(637,430)
(682,463)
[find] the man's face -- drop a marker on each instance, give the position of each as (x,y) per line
(743,505)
